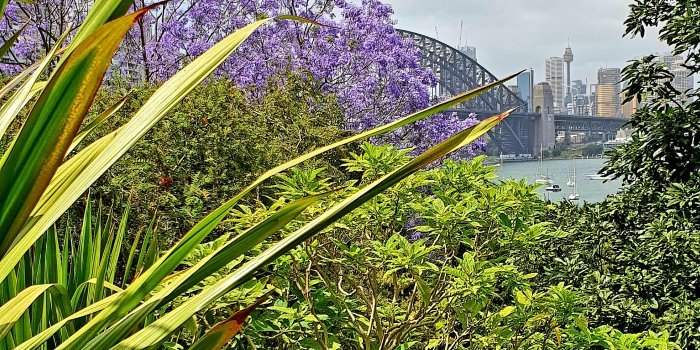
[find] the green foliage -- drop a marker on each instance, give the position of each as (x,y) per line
(592,150)
(637,262)
(432,263)
(215,142)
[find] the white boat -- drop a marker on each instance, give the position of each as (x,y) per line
(553,188)
(573,196)
(598,177)
(542,179)
(572,176)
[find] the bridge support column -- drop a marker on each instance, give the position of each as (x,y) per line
(545,133)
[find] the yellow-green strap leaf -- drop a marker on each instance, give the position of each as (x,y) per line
(100,13)
(53,122)
(97,122)
(18,100)
(13,309)
(39,339)
(188,278)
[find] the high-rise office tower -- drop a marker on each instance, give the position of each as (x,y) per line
(554,75)
(607,101)
(630,107)
(581,105)
(525,86)
(578,87)
(682,78)
(609,76)
(608,93)
(568,58)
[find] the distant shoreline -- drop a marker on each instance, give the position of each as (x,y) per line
(496,161)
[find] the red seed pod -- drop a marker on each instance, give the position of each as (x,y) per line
(165,181)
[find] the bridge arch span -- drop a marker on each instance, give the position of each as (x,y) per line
(457,72)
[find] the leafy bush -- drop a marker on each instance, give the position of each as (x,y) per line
(428,264)
(217,140)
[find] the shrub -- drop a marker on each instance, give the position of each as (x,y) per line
(214,143)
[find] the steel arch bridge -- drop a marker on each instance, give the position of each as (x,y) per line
(457,72)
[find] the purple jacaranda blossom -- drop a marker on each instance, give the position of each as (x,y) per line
(356,55)
(410,228)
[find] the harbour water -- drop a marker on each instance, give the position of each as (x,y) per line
(559,171)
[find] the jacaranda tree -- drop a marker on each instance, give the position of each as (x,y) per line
(357,55)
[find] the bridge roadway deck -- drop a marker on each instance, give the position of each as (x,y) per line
(518,134)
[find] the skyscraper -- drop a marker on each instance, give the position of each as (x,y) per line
(578,87)
(682,77)
(608,93)
(525,86)
(581,105)
(607,101)
(609,76)
(630,107)
(554,75)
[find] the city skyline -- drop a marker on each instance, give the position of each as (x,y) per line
(526,32)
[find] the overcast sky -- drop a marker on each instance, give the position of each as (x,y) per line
(515,34)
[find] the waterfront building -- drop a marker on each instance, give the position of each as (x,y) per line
(581,105)
(607,100)
(629,108)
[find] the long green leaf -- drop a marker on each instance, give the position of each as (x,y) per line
(17,79)
(12,310)
(78,293)
(154,333)
(39,339)
(12,107)
(97,122)
(219,335)
(99,14)
(3,5)
(191,276)
(53,122)
(119,240)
